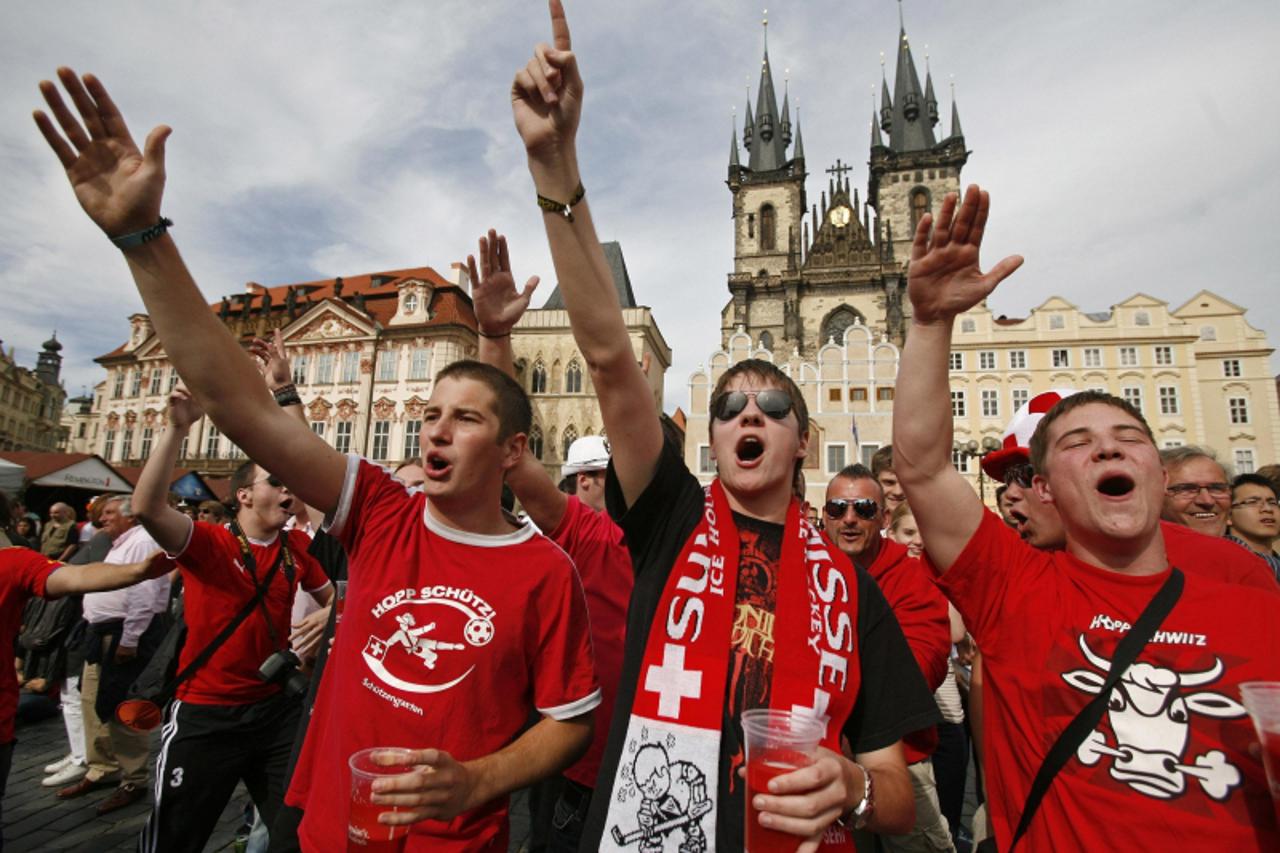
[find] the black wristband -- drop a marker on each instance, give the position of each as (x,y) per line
(287,395)
(550,205)
(483,334)
(146,235)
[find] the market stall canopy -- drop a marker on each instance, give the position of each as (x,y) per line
(74,470)
(186,483)
(11,477)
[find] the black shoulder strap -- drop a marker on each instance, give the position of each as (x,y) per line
(1130,645)
(260,593)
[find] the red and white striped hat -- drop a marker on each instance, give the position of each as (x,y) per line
(1016,443)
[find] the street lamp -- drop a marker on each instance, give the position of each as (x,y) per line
(973,450)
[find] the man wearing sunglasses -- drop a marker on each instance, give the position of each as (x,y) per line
(728,580)
(1048,623)
(855,512)
(226,724)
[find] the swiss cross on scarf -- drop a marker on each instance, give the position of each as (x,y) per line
(665,788)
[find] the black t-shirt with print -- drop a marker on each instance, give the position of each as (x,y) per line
(892,699)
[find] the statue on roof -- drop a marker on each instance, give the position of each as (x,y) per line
(266,303)
(337,287)
(224,310)
(291,302)
(358,302)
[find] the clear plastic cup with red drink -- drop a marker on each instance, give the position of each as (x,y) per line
(777,742)
(1262,701)
(364,833)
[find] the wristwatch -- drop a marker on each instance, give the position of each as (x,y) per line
(862,812)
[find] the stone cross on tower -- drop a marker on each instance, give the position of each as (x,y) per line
(839,170)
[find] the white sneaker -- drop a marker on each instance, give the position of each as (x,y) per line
(70,773)
(61,764)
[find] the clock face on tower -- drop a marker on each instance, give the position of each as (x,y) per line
(839,216)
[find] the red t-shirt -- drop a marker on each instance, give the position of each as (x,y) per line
(23,573)
(921,611)
(1211,556)
(448,640)
(599,550)
(216,584)
(1168,767)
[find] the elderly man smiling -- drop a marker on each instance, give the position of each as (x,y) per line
(1198,494)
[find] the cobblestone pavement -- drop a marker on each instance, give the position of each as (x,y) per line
(35,820)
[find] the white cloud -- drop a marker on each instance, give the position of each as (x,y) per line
(1128,147)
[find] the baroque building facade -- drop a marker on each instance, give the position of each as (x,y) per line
(31,400)
(365,351)
(824,297)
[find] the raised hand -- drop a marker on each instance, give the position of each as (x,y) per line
(119,186)
(546,95)
(183,408)
(497,303)
(273,362)
(944,278)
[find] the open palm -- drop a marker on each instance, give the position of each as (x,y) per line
(119,187)
(945,278)
(498,304)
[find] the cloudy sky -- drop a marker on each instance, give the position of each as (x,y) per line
(1127,146)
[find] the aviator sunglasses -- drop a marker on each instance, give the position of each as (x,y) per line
(864,508)
(774,403)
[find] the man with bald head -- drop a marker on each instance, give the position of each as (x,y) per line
(59,539)
(1198,494)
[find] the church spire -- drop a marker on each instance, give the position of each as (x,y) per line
(734,163)
(930,102)
(911,128)
(786,107)
(956,132)
(798,152)
(769,149)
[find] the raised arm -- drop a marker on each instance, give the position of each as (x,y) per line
(943,280)
(166,525)
(546,100)
(120,187)
(499,306)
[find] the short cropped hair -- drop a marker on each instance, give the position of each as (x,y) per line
(858,471)
(1000,490)
(1253,480)
(882,460)
(1176,457)
(767,373)
(1272,473)
(125,502)
(515,414)
(412,460)
(1040,438)
(242,478)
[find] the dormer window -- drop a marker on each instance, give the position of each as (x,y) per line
(410,302)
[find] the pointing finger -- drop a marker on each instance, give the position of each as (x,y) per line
(559,26)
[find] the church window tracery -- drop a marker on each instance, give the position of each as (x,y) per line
(768,227)
(838,321)
(538,380)
(920,204)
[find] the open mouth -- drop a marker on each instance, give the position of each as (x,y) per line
(1116,486)
(749,449)
(436,466)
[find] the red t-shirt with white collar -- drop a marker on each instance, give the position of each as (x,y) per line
(23,573)
(216,585)
(448,640)
(1168,768)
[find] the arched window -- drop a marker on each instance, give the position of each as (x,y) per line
(919,206)
(538,379)
(833,328)
(535,442)
(555,376)
(573,378)
(768,227)
(766,341)
(570,436)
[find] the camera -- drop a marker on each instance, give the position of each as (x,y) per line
(282,668)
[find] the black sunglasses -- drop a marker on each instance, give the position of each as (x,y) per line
(864,508)
(271,480)
(1020,474)
(774,403)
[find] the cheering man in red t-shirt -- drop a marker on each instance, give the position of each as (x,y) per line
(458,620)
(1169,766)
(227,724)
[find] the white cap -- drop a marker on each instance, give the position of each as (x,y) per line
(589,453)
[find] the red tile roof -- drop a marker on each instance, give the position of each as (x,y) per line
(451,305)
(39,464)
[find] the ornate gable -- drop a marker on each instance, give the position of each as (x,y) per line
(328,321)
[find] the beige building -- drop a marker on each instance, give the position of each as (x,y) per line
(824,298)
(365,351)
(31,400)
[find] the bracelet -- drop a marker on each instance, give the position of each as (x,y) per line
(287,395)
(483,334)
(565,210)
(862,812)
(146,235)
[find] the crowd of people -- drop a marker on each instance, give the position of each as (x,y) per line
(1085,644)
